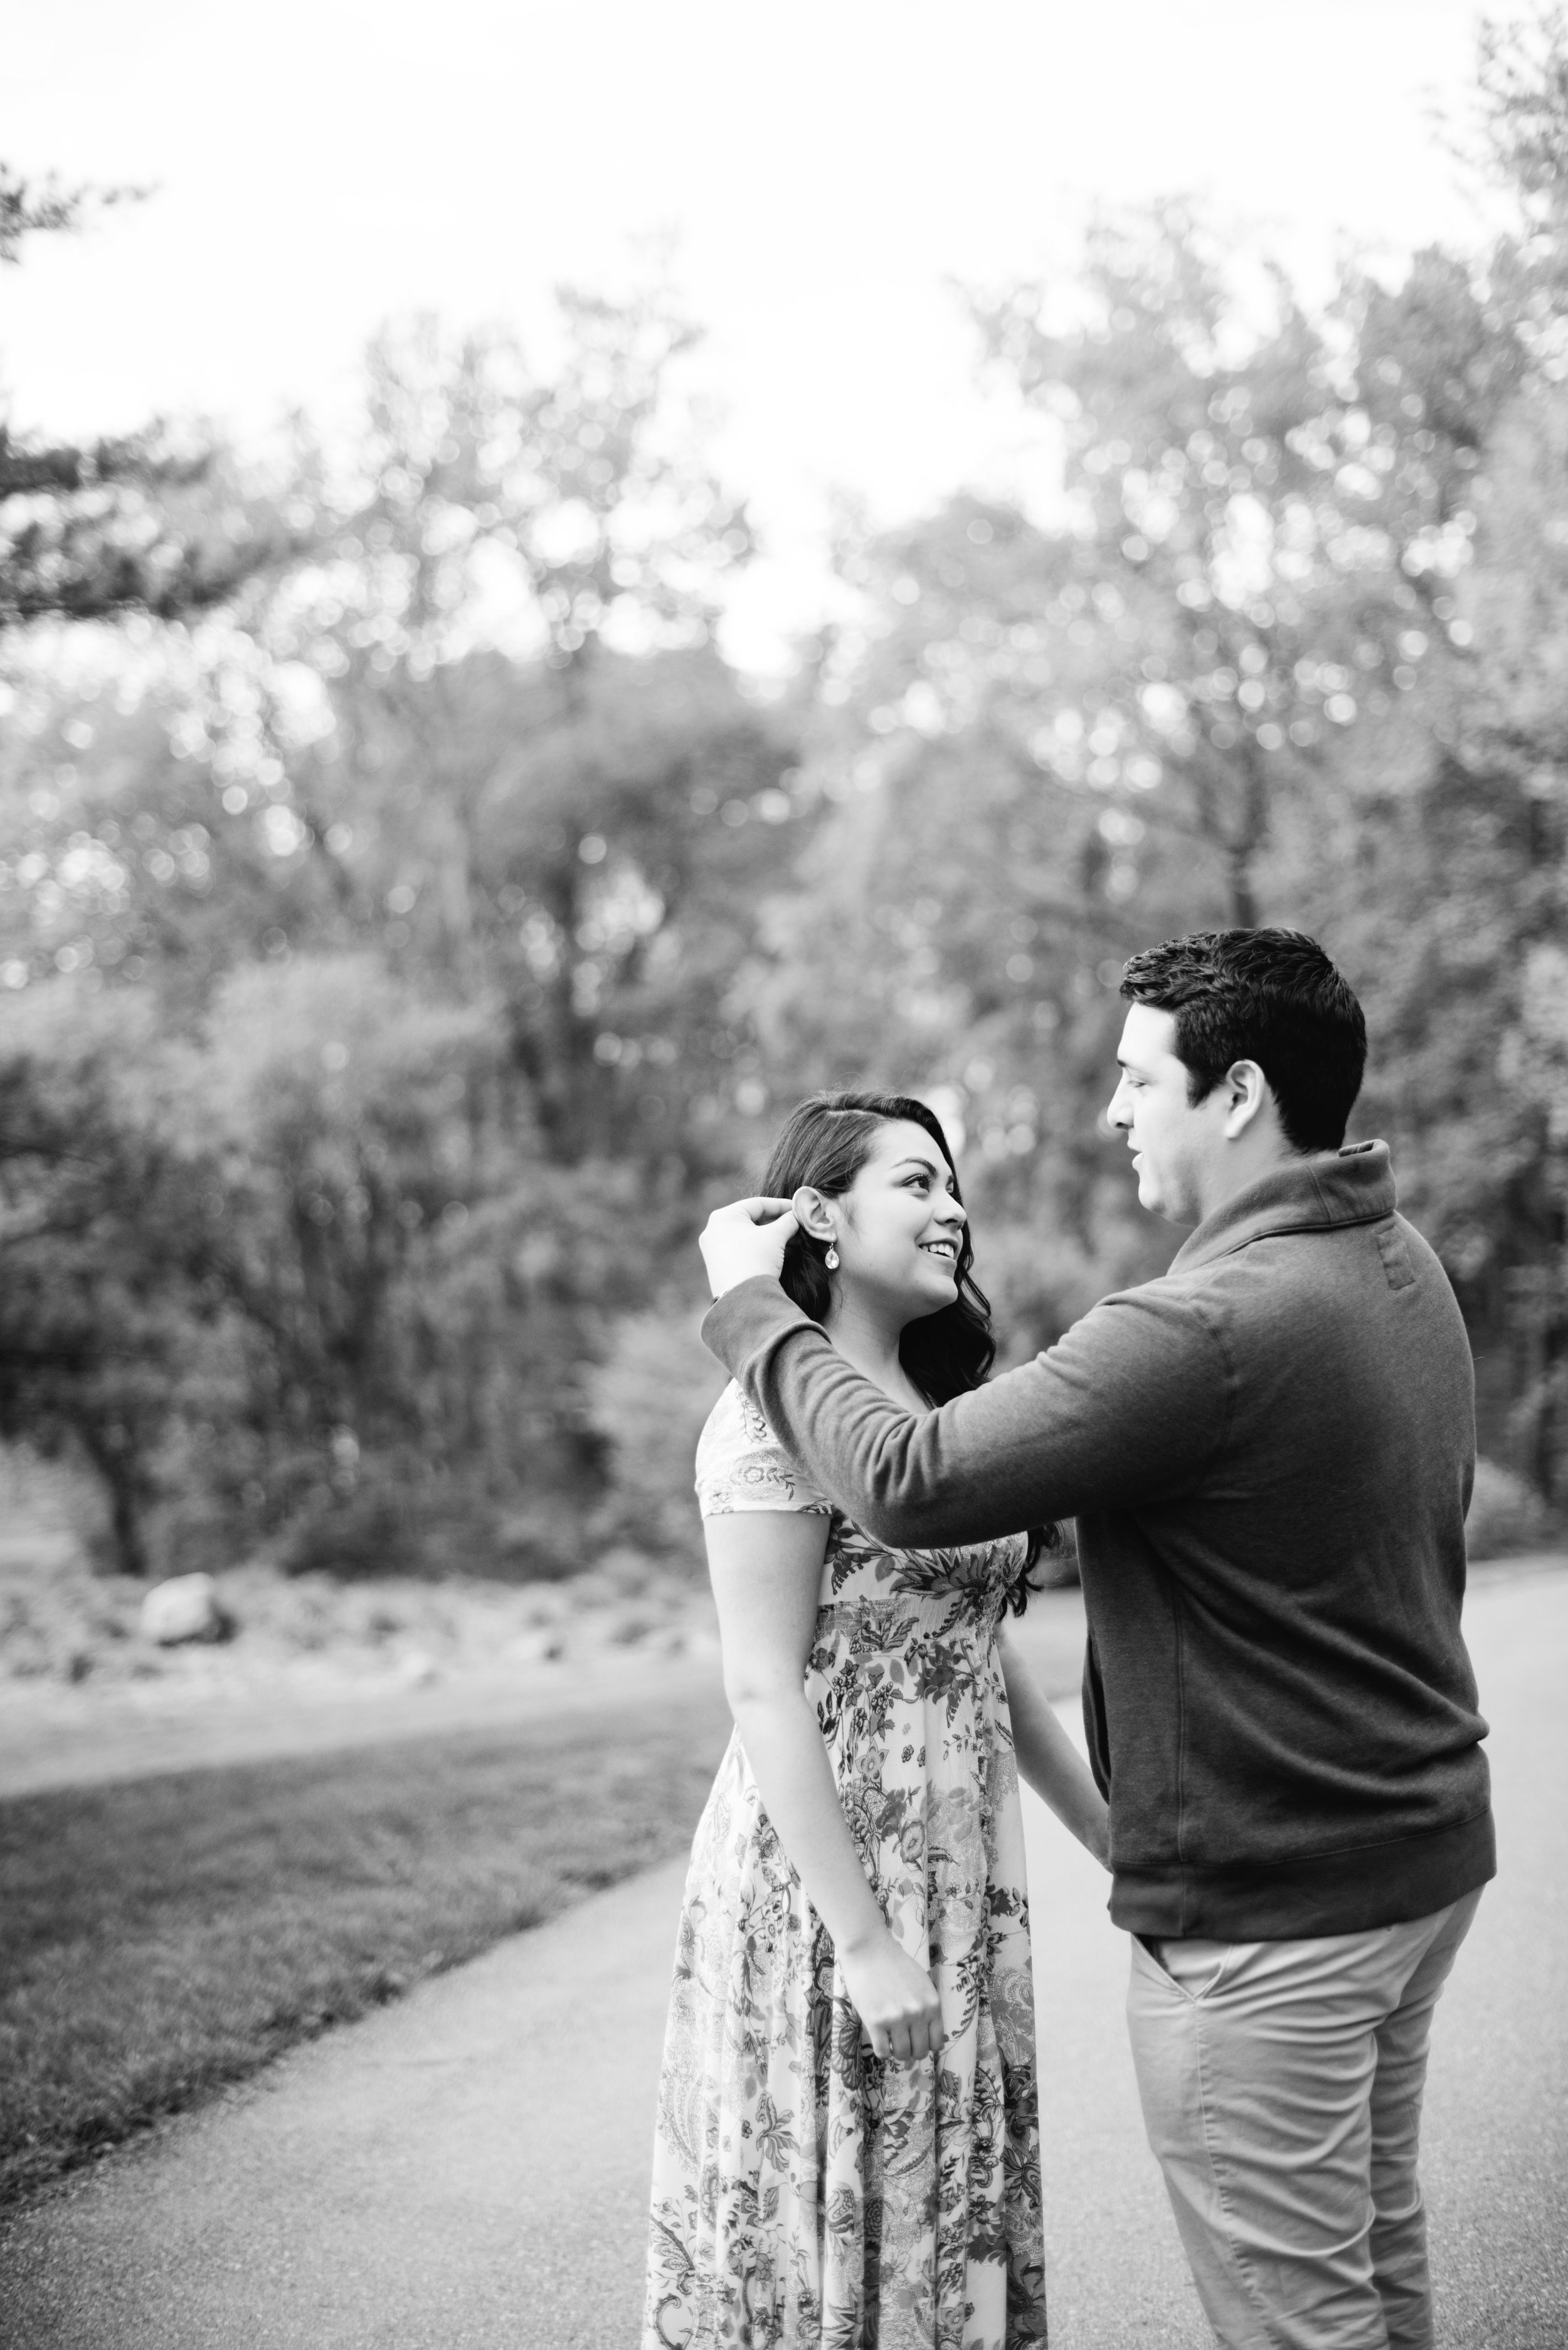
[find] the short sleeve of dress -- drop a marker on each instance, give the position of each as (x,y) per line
(741,1465)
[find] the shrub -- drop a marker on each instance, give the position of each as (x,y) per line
(1506,1514)
(647,1402)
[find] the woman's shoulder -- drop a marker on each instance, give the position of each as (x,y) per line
(741,1465)
(734,1416)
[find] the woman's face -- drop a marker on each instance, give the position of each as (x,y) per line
(898,1226)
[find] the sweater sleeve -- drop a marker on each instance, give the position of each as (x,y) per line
(1128,1407)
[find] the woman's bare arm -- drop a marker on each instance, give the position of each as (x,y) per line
(766,1566)
(1048,1760)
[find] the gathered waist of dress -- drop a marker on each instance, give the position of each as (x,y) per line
(884,1618)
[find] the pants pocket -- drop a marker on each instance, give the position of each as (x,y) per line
(1195,1968)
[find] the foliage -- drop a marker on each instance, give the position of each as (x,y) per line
(150,522)
(428,877)
(647,1400)
(1506,1514)
(28,210)
(106,1302)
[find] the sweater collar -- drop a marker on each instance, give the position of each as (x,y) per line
(1354,1186)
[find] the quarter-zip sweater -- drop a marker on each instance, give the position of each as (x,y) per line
(1269,1453)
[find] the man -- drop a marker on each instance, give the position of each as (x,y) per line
(1269,1453)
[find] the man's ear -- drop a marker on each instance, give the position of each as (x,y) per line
(812,1215)
(1246,1091)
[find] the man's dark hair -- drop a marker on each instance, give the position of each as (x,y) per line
(1269,996)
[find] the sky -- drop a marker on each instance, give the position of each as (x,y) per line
(830,172)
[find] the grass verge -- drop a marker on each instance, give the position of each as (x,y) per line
(163,1937)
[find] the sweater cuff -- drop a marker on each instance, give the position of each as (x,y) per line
(740,1324)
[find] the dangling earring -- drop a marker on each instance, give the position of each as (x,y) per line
(831,1259)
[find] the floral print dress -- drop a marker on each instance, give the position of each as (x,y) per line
(804,2192)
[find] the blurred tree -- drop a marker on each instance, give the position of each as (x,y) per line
(647,1400)
(118,854)
(493,786)
(1459,888)
(535,774)
(105,1274)
(586,847)
(1517,138)
(28,210)
(1265,522)
(1451,892)
(149,521)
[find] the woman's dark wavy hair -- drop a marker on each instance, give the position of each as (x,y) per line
(825,1141)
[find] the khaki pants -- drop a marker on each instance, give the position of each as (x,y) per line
(1282,2091)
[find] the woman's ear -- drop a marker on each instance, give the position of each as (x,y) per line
(812,1213)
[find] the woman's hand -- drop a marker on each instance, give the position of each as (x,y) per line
(895,1999)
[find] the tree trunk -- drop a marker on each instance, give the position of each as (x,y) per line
(125,1524)
(117,1467)
(1249,836)
(1243,901)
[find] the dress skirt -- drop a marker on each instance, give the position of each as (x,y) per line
(807,2193)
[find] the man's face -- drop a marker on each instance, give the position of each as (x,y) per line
(1172,1139)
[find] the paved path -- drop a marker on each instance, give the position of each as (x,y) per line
(469,2168)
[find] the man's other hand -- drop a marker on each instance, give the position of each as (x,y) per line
(745,1238)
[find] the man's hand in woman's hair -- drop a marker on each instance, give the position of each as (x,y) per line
(745,1238)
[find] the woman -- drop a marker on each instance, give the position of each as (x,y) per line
(847,2149)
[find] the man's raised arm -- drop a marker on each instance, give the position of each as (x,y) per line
(1128,1407)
